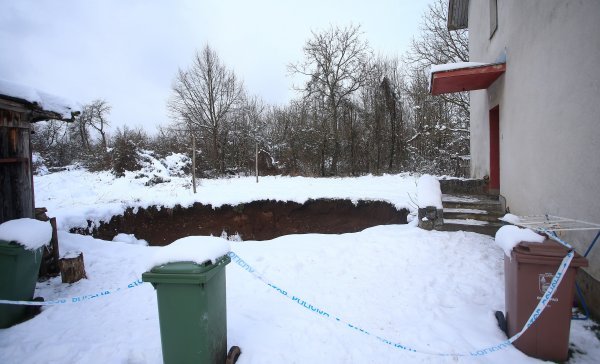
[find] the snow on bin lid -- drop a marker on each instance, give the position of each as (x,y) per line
(197,249)
(30,233)
(510,236)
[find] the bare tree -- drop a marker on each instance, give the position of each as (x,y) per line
(50,139)
(438,45)
(99,110)
(203,97)
(439,124)
(79,131)
(94,116)
(336,64)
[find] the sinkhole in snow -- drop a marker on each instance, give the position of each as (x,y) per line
(257,220)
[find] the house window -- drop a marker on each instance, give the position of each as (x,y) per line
(493,17)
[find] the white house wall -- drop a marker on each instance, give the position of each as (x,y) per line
(549,101)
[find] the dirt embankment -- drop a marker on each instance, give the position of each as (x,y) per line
(258,220)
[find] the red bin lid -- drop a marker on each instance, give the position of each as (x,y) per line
(548,252)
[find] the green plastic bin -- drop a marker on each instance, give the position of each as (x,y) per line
(19,269)
(192,310)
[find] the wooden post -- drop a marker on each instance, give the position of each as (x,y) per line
(256,164)
(72,268)
(54,244)
(49,266)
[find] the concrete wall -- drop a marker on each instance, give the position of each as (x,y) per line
(549,101)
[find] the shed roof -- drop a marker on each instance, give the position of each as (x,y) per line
(45,106)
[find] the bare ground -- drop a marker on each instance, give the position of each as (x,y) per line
(258,220)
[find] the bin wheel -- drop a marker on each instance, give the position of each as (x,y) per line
(32,311)
(501,322)
(233,355)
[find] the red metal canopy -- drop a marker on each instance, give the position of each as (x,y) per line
(465,79)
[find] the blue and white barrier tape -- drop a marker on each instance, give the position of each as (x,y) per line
(552,235)
(560,273)
(76,299)
(554,284)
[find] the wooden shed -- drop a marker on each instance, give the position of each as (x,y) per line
(19,107)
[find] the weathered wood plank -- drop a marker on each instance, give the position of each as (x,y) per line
(16,183)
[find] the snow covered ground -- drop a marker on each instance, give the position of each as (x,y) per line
(435,292)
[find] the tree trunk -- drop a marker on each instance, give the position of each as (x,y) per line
(392,110)
(336,138)
(194,161)
(256,161)
(104,141)
(323,159)
(215,148)
(352,144)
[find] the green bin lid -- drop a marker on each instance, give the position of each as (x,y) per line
(183,268)
(10,247)
(185,272)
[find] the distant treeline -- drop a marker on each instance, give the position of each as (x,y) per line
(355,113)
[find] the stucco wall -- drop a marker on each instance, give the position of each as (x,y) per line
(549,101)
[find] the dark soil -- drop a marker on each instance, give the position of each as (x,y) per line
(258,220)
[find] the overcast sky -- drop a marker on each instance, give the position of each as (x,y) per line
(128,51)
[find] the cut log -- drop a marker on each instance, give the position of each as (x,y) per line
(72,268)
(40,214)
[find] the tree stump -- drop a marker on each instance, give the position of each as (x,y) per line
(72,268)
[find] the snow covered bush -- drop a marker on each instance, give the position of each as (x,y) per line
(39,164)
(129,239)
(177,164)
(126,144)
(155,180)
(157,171)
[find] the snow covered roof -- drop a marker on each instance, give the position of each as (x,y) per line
(463,76)
(45,105)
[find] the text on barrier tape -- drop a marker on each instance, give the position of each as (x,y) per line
(76,299)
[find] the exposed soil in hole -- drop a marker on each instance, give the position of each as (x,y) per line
(258,220)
